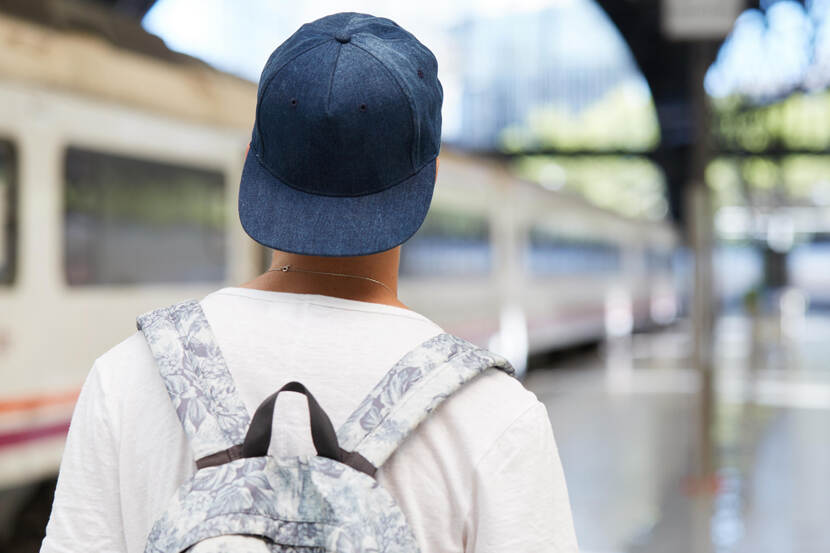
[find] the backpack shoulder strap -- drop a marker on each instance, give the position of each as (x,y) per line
(410,391)
(197,379)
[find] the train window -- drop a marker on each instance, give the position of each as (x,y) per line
(8,212)
(660,261)
(133,221)
(449,243)
(550,253)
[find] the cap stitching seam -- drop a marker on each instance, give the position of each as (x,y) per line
(271,79)
(409,103)
(331,79)
(352,18)
(281,67)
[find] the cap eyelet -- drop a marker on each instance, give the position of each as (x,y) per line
(293,101)
(363,107)
(420,74)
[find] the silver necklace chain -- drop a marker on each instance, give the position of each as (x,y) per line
(287,268)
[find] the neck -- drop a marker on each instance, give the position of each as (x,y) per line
(382,267)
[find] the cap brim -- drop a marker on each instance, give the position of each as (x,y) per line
(284,218)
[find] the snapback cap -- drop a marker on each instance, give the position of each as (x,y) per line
(348,127)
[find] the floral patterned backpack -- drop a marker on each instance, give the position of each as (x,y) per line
(241,500)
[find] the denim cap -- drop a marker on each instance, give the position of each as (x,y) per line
(348,128)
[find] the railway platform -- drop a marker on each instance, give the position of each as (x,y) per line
(627,421)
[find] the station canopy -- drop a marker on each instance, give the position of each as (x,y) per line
(769,90)
(559,90)
(558,79)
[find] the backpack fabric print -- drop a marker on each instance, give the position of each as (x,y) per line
(242,500)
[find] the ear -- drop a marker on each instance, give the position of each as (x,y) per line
(437,165)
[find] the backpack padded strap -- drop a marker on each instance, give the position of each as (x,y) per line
(410,391)
(196,376)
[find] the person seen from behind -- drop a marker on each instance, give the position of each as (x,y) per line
(339,174)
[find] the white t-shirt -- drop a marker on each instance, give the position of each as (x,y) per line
(481,474)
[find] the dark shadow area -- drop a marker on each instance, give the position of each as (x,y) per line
(27,526)
(562,357)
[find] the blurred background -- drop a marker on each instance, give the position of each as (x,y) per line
(633,206)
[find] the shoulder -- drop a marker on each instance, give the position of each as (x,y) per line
(451,453)
(126,379)
(491,406)
(125,362)
(473,421)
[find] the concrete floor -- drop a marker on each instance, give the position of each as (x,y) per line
(627,420)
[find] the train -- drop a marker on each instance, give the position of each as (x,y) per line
(119,170)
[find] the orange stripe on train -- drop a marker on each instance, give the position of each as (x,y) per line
(36,402)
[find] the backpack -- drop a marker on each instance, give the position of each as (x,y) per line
(241,500)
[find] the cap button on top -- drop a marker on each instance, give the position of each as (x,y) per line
(342,38)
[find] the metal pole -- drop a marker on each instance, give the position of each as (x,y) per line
(702,325)
(701,239)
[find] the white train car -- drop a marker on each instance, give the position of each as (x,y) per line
(118,180)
